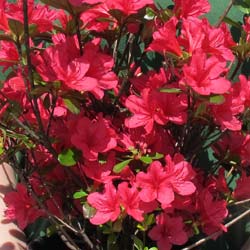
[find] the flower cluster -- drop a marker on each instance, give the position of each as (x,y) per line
(106,110)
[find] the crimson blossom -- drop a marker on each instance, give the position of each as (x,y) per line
(22,207)
(93,137)
(168,231)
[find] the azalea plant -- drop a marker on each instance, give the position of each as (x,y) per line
(110,114)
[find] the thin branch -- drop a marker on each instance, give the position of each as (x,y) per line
(211,236)
(45,140)
(230,4)
(239,203)
(236,68)
(27,129)
(78,33)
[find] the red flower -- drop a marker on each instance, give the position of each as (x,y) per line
(93,137)
(100,69)
(226,113)
(204,74)
(130,200)
(161,183)
(199,34)
(155,185)
(180,174)
(168,231)
(154,106)
(38,14)
(195,8)
(128,6)
(8,54)
(100,173)
(106,204)
(212,211)
(242,190)
(90,72)
(165,39)
(246,27)
(243,87)
(21,207)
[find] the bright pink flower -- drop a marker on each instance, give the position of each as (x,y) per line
(38,14)
(204,75)
(21,207)
(154,106)
(16,83)
(128,6)
(106,204)
(195,8)
(99,12)
(155,185)
(161,183)
(199,34)
(217,41)
(246,27)
(164,39)
(4,21)
(225,114)
(192,34)
(168,231)
(100,69)
(180,174)
(90,72)
(58,63)
(243,88)
(93,137)
(242,190)
(130,200)
(8,54)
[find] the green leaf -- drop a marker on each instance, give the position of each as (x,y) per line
(231,22)
(150,219)
(79,194)
(62,4)
(171,90)
(157,156)
(67,158)
(46,101)
(146,159)
(39,90)
(217,99)
(243,8)
(149,158)
(201,109)
(16,27)
(120,166)
(72,105)
(138,244)
(150,14)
